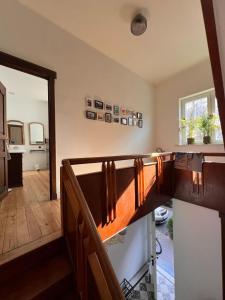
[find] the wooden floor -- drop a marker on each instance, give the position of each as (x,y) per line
(27,218)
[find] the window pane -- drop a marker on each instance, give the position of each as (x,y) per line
(218,131)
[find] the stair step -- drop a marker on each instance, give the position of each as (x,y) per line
(24,263)
(48,280)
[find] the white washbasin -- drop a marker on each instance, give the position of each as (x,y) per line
(17,150)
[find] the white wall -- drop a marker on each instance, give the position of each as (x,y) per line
(129,257)
(193,80)
(28,110)
(81,71)
(197,252)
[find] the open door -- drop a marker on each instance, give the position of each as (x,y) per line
(3,137)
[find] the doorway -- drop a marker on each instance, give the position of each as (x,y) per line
(28,219)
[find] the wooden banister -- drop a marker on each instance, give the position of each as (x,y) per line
(92,160)
(85,246)
(99,277)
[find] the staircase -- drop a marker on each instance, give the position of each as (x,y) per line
(44,273)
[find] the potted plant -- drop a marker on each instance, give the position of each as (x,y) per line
(190,124)
(170,228)
(207,124)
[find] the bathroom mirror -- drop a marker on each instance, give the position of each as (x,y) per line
(16,132)
(36,131)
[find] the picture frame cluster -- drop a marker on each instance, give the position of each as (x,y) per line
(98,110)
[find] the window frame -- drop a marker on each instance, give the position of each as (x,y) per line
(211,105)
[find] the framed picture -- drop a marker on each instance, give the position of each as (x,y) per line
(123,111)
(123,121)
(108,117)
(116,120)
(130,121)
(91,115)
(139,115)
(108,107)
(116,110)
(88,102)
(100,117)
(140,123)
(99,104)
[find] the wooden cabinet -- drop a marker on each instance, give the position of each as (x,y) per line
(15,170)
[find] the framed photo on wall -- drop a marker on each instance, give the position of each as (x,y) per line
(91,115)
(108,107)
(100,117)
(108,117)
(139,115)
(123,121)
(130,121)
(88,101)
(99,104)
(116,120)
(140,123)
(116,110)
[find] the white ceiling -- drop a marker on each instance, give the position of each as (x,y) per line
(21,85)
(174,41)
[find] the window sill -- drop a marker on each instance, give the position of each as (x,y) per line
(212,144)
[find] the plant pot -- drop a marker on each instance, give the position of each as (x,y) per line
(207,139)
(190,141)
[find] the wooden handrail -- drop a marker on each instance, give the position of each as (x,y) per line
(163,154)
(72,195)
(92,160)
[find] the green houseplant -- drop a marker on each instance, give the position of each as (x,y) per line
(207,124)
(190,124)
(170,227)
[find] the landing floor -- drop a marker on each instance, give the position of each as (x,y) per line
(27,218)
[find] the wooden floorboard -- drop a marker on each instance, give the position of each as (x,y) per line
(28,217)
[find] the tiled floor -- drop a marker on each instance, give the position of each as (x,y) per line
(144,290)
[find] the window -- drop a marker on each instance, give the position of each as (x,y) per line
(195,106)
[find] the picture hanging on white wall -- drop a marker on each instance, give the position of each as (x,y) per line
(89,102)
(108,107)
(100,117)
(130,121)
(123,121)
(116,120)
(108,117)
(140,123)
(91,115)
(116,110)
(99,104)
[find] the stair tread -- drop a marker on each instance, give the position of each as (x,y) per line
(38,279)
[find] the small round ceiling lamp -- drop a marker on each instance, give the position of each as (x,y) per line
(138,25)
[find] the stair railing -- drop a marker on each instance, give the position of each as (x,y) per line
(94,276)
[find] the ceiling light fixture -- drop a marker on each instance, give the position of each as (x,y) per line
(138,24)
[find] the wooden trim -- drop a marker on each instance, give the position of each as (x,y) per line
(92,160)
(211,33)
(16,63)
(222,217)
(19,64)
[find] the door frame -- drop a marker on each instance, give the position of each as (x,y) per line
(3,138)
(19,64)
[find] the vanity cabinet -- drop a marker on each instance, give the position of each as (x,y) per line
(15,170)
